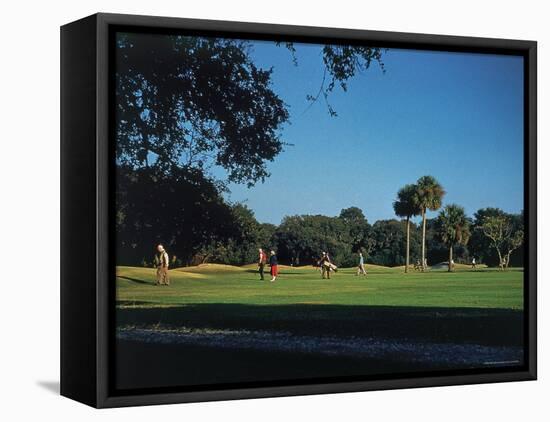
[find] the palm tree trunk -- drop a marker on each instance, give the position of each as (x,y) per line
(423,240)
(408,242)
(451,258)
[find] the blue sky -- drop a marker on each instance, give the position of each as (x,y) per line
(455,116)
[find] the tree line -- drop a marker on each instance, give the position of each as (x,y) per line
(207,229)
(491,232)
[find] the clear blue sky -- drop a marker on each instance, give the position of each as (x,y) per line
(455,116)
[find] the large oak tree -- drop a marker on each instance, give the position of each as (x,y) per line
(186,106)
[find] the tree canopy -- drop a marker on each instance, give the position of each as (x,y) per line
(408,202)
(185,105)
(453,228)
(505,235)
(480,244)
(194,102)
(429,193)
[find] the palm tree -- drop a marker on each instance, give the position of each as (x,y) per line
(430,195)
(454,228)
(406,205)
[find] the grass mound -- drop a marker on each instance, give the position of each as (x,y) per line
(209,268)
(445,266)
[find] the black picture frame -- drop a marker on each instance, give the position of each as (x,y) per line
(87,198)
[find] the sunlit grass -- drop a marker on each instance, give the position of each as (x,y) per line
(482,288)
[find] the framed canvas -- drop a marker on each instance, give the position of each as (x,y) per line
(253,210)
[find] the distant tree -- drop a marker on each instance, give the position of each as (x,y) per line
(297,239)
(406,206)
(430,195)
(390,242)
(352,215)
(516,257)
(479,244)
(198,217)
(437,250)
(302,238)
(453,228)
(247,236)
(305,237)
(241,245)
(265,235)
(504,236)
(357,229)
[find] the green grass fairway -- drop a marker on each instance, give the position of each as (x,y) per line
(482,288)
(219,324)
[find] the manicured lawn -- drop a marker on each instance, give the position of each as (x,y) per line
(215,284)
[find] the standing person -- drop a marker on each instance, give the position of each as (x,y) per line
(324,263)
(474,262)
(262,260)
(162,261)
(274,266)
(361,266)
(319,266)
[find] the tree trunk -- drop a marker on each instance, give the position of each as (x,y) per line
(408,243)
(423,263)
(451,258)
(500,260)
(507,260)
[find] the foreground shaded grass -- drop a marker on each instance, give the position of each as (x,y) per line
(388,307)
(484,288)
(454,325)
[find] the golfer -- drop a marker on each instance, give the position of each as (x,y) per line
(162,261)
(262,260)
(361,266)
(274,266)
(474,262)
(324,263)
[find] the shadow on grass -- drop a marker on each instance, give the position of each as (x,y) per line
(472,270)
(132,303)
(281,272)
(143,364)
(135,280)
(435,324)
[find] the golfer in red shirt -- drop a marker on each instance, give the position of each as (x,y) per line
(274,266)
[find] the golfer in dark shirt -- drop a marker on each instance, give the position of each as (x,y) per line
(274,266)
